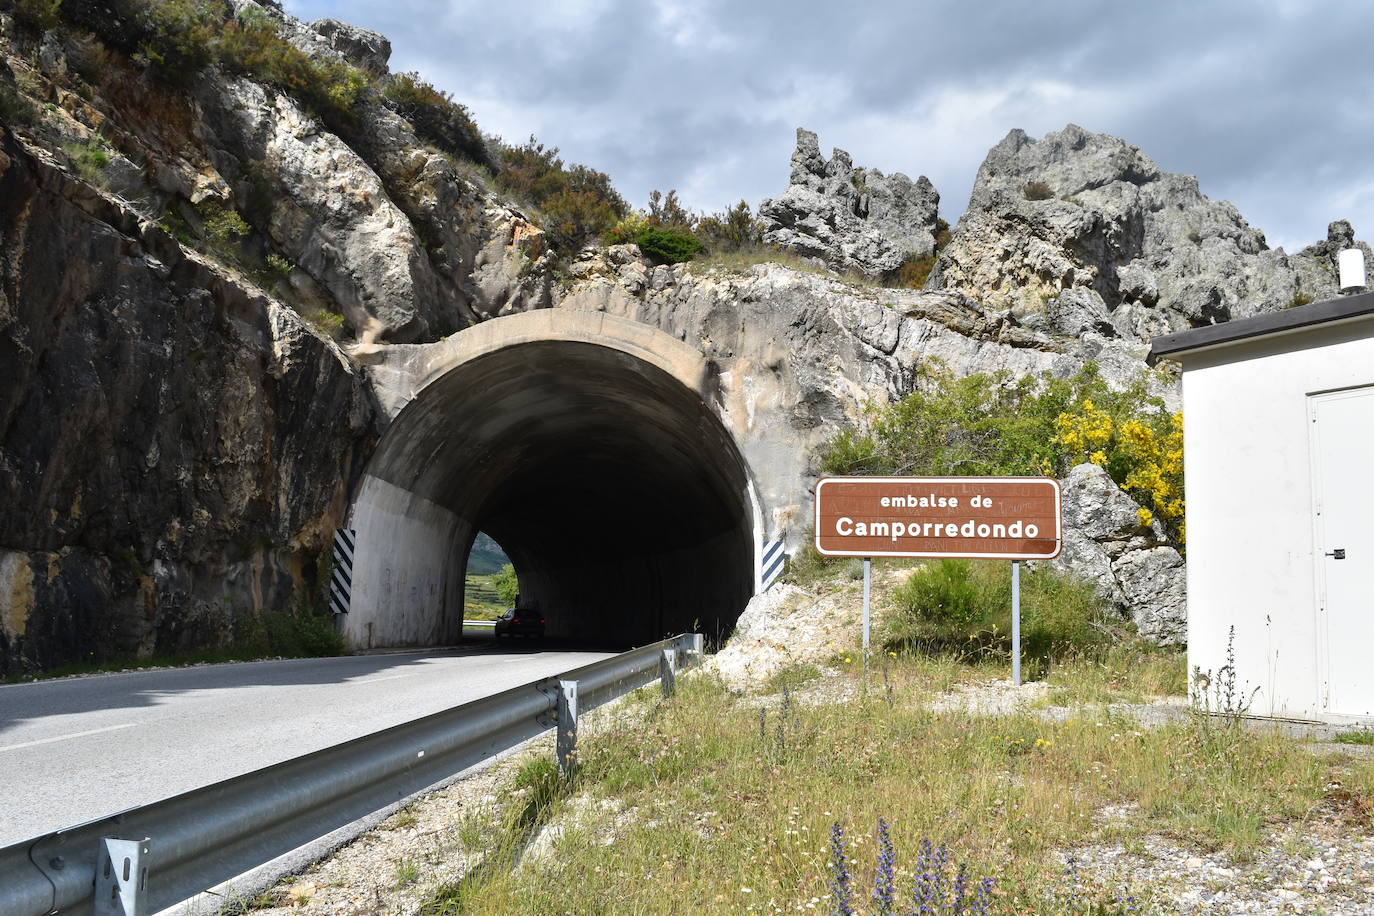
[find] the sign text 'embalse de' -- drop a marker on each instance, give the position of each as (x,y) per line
(1008,518)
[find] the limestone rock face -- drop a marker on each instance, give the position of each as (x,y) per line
(174,445)
(1136,251)
(798,355)
(1133,565)
(847,217)
(329,210)
(786,625)
(363,48)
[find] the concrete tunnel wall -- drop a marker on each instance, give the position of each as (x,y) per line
(590,454)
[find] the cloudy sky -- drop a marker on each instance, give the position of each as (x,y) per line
(1269,102)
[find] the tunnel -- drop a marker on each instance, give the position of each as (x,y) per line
(618,494)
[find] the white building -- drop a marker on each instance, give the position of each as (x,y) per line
(1279,456)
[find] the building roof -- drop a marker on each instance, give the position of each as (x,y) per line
(1281,322)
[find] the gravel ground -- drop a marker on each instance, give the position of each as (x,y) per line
(392,870)
(1324,865)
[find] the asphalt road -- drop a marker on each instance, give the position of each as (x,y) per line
(75,749)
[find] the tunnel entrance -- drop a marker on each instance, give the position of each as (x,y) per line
(619,496)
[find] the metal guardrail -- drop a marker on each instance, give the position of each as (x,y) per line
(188,843)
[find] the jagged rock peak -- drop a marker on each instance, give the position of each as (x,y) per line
(1083,233)
(362,47)
(848,217)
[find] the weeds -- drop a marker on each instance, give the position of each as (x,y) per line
(964,607)
(527,804)
(1358,737)
(717,817)
(88,159)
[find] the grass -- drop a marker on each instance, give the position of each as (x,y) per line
(89,160)
(481,602)
(719,816)
(1126,673)
(1360,737)
(271,635)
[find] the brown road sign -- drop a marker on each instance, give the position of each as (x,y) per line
(1008,518)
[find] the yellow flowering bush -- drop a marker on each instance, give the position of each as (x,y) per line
(993,424)
(1142,452)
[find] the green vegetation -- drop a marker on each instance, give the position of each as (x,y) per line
(325,323)
(578,203)
(88,159)
(278,267)
(992,424)
(437,118)
(507,585)
(223,226)
(180,38)
(964,607)
(15,109)
(667,246)
(916,269)
(668,233)
(708,803)
(301,633)
(481,599)
(1037,190)
(525,804)
(1359,737)
(37,15)
(1299,298)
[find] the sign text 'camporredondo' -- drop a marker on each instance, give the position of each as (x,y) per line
(1008,518)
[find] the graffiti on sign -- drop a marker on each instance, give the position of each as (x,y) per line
(1008,518)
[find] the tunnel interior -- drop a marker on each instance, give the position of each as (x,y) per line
(620,498)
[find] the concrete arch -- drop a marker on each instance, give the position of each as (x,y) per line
(590,447)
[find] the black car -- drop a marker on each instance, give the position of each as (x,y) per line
(520,622)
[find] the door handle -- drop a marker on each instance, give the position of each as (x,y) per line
(1338,553)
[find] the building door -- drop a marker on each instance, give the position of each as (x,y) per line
(1343,493)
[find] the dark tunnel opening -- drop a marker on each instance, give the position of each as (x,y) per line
(620,498)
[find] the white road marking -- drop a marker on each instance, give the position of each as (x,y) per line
(377,680)
(94,731)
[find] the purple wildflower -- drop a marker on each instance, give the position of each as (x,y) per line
(982,899)
(840,894)
(960,890)
(883,880)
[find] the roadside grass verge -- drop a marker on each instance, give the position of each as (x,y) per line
(728,809)
(271,635)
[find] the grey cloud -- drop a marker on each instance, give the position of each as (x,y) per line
(1263,101)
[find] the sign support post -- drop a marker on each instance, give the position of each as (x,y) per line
(868,584)
(1001,518)
(1016,623)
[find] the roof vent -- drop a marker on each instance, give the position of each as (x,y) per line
(1351,263)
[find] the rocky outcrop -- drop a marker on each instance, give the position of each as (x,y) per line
(1133,565)
(798,355)
(328,211)
(401,240)
(1081,233)
(850,218)
(175,446)
(787,625)
(363,48)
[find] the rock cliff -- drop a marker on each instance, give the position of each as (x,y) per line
(179,430)
(850,218)
(1081,233)
(175,446)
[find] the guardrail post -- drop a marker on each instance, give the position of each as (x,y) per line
(567,726)
(121,877)
(694,644)
(666,661)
